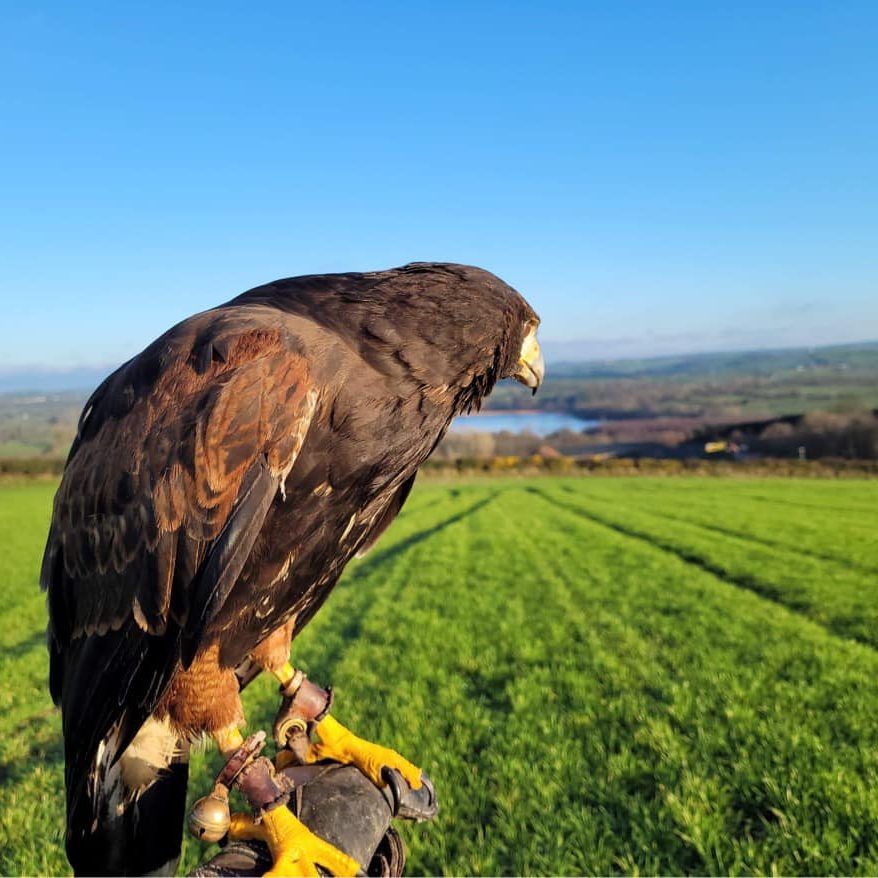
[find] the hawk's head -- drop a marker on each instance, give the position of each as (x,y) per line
(471,327)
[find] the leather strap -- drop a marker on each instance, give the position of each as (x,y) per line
(308,704)
(248,751)
(264,789)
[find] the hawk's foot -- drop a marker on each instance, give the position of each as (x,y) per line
(305,707)
(342,745)
(294,849)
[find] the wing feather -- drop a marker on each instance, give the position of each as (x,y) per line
(154,481)
(228,554)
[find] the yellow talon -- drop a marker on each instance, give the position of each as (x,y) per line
(285,674)
(229,740)
(294,848)
(340,744)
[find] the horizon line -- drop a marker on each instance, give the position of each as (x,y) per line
(12,370)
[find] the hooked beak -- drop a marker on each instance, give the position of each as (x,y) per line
(531,366)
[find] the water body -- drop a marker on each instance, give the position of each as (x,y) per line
(539,423)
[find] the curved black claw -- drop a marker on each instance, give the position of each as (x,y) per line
(409,804)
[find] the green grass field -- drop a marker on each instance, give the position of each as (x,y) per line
(601,675)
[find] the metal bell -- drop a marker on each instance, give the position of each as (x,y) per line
(209,818)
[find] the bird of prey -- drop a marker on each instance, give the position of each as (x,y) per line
(218,484)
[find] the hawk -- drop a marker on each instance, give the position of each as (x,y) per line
(218,484)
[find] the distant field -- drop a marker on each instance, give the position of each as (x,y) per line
(602,675)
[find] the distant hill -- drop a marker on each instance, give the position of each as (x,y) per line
(38,380)
(37,424)
(859,356)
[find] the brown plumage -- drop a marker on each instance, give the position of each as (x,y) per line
(218,485)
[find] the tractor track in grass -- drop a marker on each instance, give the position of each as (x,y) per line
(747,583)
(739,491)
(388,558)
(846,565)
(803,504)
(25,645)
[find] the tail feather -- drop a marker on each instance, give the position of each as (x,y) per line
(125,775)
(129,819)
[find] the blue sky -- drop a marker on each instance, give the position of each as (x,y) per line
(654,177)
